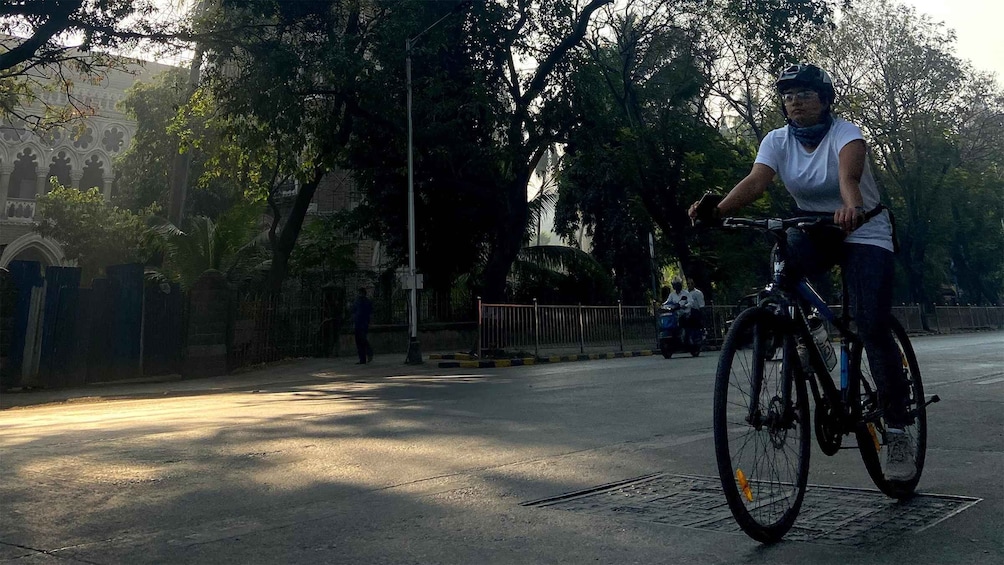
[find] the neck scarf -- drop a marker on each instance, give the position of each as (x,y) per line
(812,135)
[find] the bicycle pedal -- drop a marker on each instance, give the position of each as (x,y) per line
(932,400)
(872,417)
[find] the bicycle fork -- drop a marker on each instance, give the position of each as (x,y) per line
(777,412)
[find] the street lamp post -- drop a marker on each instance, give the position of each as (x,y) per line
(414,349)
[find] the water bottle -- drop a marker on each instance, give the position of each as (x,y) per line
(803,356)
(818,331)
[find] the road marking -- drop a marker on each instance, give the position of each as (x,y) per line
(988,379)
(991,381)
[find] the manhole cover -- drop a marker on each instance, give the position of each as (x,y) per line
(832,515)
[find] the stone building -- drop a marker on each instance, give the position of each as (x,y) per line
(80,154)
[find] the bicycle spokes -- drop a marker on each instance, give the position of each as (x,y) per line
(761,438)
(872,436)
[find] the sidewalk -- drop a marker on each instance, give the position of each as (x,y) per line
(280,373)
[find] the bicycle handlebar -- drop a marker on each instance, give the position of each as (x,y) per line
(778,224)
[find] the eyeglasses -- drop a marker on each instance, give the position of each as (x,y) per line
(803,95)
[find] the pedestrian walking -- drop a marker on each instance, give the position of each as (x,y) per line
(362,310)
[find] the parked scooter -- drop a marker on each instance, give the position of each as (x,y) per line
(673,336)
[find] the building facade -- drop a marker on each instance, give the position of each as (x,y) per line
(81,154)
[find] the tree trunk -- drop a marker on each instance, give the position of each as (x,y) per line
(913,262)
(283,246)
(507,241)
(181,168)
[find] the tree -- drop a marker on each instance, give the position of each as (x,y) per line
(745,43)
(167,118)
(547,32)
(304,59)
(639,150)
(230,244)
(142,169)
(325,249)
(453,114)
(480,129)
(977,247)
(95,233)
(900,82)
(53,43)
(557,274)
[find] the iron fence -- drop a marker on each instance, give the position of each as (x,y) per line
(269,328)
(526,328)
(393,308)
(967,318)
(915,318)
(530,329)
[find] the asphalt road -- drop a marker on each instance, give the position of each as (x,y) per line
(321,461)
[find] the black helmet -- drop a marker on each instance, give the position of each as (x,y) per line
(809,76)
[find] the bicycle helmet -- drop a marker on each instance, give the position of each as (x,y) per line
(808,76)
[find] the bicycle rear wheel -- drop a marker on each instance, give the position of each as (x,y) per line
(871,435)
(761,430)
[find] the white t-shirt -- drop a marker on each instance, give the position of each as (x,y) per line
(675,298)
(696,298)
(813,178)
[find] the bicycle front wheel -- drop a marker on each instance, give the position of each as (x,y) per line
(871,434)
(761,421)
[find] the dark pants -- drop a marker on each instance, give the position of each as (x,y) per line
(693,320)
(363,346)
(869,272)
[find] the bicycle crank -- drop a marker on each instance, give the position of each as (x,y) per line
(829,434)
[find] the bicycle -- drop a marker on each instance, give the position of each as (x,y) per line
(761,410)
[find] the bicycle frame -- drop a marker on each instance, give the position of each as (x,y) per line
(796,299)
(763,462)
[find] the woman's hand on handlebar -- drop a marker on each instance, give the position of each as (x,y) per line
(849,218)
(705,211)
(692,212)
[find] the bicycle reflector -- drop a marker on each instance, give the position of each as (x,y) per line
(875,439)
(744,485)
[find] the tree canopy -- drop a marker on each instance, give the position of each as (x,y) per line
(643,104)
(50,44)
(95,233)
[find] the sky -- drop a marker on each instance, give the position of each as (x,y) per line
(977,24)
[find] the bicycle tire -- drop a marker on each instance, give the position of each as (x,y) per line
(871,445)
(763,468)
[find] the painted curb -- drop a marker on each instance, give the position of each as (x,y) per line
(498,363)
(453,356)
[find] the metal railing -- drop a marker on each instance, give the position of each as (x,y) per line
(268,328)
(529,329)
(526,328)
(967,318)
(946,319)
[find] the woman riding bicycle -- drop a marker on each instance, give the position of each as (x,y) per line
(821,160)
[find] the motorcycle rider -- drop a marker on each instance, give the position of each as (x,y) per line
(681,298)
(679,295)
(696,315)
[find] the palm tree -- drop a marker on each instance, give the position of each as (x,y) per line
(232,244)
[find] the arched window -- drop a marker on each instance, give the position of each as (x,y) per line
(24,179)
(94,175)
(60,168)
